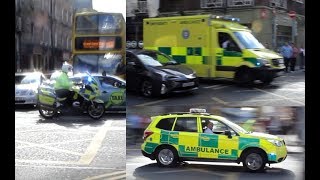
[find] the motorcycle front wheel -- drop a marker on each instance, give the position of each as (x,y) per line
(96,110)
(46,112)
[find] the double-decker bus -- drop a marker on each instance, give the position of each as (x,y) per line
(98,43)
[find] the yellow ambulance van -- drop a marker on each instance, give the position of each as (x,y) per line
(214,46)
(175,137)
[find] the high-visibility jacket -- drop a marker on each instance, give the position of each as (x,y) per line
(62,82)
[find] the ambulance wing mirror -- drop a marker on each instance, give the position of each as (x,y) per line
(228,133)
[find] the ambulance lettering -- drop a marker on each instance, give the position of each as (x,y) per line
(207,150)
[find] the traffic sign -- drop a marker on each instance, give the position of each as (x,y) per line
(292,14)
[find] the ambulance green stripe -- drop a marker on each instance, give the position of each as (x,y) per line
(212,142)
(252,60)
(164,138)
(179,59)
(166,50)
(150,147)
(173,140)
(183,153)
(248,142)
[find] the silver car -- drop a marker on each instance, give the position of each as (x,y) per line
(26,87)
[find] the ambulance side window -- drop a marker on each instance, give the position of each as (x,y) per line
(218,127)
(165,124)
(186,124)
(227,42)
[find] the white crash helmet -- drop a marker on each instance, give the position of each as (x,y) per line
(66,67)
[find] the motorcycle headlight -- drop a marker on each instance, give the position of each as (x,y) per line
(275,142)
(261,62)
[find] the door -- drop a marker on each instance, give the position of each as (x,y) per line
(134,71)
(217,145)
(185,135)
(229,55)
(112,92)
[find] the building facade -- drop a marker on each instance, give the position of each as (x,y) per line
(273,22)
(43,34)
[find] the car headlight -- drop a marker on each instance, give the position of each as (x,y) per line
(261,62)
(275,142)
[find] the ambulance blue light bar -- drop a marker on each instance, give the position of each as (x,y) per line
(227,18)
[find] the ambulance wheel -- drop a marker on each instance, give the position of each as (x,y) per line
(146,88)
(167,156)
(254,160)
(244,76)
(267,80)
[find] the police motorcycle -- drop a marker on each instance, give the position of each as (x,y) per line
(84,100)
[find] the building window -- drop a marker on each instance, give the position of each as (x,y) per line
(67,16)
(43,36)
(62,12)
(211,3)
(55,40)
(32,30)
(142,7)
(278,3)
(240,3)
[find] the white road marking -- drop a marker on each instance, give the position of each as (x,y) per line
(284,97)
(219,100)
(118,174)
(64,142)
(221,87)
(49,148)
(95,144)
(42,162)
(213,86)
(152,102)
(64,167)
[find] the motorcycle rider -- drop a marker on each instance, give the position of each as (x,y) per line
(63,84)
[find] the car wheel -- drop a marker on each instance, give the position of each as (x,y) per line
(167,156)
(254,160)
(146,88)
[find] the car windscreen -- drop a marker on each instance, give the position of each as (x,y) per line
(18,78)
(156,59)
(31,79)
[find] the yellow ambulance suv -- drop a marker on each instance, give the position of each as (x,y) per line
(214,46)
(198,136)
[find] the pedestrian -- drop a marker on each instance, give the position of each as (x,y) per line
(293,60)
(286,52)
(301,55)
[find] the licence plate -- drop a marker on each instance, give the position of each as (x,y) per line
(187,84)
(280,61)
(19,99)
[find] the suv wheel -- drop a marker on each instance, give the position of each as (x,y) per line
(254,160)
(167,157)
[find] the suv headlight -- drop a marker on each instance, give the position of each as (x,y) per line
(261,62)
(275,142)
